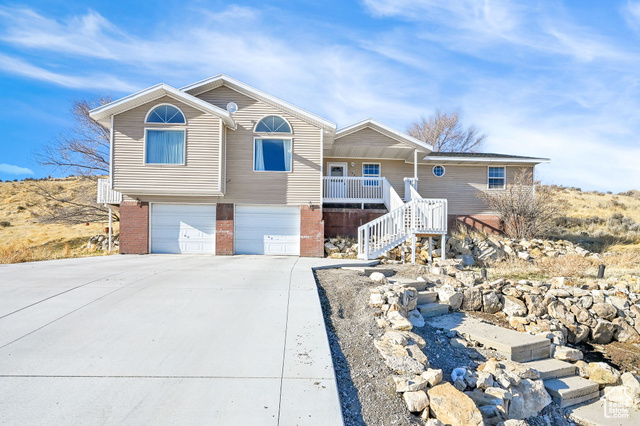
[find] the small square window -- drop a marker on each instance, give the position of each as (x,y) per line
(371,170)
(497,177)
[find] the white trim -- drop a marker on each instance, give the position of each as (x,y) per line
(273,133)
(257,94)
(155,92)
(488,159)
(220,156)
(345,167)
(111,154)
(321,166)
(444,170)
(253,153)
(377,126)
(504,186)
(184,147)
(146,117)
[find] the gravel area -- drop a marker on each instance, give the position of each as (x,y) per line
(366,389)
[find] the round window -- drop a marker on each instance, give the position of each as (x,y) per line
(438,171)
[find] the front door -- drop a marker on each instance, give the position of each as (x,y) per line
(337,182)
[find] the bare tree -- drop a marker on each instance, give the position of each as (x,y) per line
(527,208)
(84,151)
(444,131)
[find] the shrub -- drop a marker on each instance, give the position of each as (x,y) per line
(5,223)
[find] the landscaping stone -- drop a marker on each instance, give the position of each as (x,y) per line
(605,311)
(603,374)
(603,332)
(453,407)
(416,400)
(565,353)
(514,307)
(491,303)
(432,376)
(472,299)
(410,383)
(398,322)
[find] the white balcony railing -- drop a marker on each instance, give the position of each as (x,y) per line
(338,189)
(106,195)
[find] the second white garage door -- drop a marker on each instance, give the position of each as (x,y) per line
(183,228)
(272,230)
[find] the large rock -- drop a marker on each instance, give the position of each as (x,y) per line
(535,305)
(624,332)
(603,332)
(605,311)
(399,322)
(416,401)
(472,299)
(565,353)
(514,307)
(560,312)
(453,407)
(449,295)
(416,353)
(410,383)
(491,303)
(529,399)
(432,376)
(603,374)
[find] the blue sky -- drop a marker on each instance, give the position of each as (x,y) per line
(547,78)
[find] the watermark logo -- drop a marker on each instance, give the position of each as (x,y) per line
(617,402)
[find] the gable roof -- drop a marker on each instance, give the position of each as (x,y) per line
(224,80)
(385,130)
(103,113)
(481,157)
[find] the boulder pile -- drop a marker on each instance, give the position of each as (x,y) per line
(101,242)
(340,248)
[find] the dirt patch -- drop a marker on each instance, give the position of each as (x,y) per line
(366,391)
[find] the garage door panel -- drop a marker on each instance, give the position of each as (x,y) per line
(273,230)
(180,228)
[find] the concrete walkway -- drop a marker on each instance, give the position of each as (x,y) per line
(165,339)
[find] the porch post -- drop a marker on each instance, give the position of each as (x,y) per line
(415,168)
(110,231)
(413,249)
(443,247)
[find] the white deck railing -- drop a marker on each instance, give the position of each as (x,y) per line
(419,216)
(106,195)
(338,189)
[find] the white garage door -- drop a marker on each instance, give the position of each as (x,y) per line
(273,230)
(183,228)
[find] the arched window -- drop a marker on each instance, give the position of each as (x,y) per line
(273,124)
(165,114)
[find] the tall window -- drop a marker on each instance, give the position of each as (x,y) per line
(272,154)
(371,170)
(162,145)
(497,177)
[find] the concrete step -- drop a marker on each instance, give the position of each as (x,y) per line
(514,345)
(433,309)
(408,282)
(601,413)
(552,368)
(568,391)
(425,297)
(383,271)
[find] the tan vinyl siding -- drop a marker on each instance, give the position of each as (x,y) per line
(394,170)
(243,185)
(460,186)
(368,143)
(199,174)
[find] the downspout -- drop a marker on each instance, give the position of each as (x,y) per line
(111,154)
(415,169)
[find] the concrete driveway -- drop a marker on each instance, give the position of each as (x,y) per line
(164,340)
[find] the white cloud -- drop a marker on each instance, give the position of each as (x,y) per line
(15,170)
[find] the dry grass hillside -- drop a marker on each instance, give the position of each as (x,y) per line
(23,236)
(599,221)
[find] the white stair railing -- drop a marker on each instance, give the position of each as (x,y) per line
(419,216)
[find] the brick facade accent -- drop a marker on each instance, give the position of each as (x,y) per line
(485,222)
(311,231)
(224,229)
(345,222)
(134,228)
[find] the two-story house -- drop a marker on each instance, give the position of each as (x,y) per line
(219,167)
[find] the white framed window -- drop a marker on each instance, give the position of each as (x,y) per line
(272,155)
(496,177)
(438,171)
(164,146)
(165,114)
(371,170)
